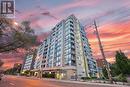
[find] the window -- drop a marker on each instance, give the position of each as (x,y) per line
(71,26)
(71,22)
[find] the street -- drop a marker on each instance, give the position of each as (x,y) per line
(13,81)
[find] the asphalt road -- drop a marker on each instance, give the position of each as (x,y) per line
(13,81)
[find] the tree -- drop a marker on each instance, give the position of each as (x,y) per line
(114,70)
(122,63)
(120,68)
(14,70)
(13,36)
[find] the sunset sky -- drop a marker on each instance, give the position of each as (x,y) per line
(112,16)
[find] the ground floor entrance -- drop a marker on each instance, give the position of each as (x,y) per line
(58,74)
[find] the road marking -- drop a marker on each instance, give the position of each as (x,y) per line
(11,84)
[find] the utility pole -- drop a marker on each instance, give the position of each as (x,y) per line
(102,52)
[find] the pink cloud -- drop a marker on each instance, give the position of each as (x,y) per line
(115,36)
(75,4)
(45,23)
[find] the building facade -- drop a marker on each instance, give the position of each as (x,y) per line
(29,61)
(66,52)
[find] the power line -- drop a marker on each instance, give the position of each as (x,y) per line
(118,44)
(111,47)
(114,44)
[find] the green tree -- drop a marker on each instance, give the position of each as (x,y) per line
(114,70)
(129,63)
(122,63)
(120,68)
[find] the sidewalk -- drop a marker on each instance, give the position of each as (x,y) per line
(79,82)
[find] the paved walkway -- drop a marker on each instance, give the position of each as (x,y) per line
(79,82)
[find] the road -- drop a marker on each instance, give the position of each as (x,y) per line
(13,81)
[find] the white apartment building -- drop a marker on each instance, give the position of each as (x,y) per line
(28,62)
(66,52)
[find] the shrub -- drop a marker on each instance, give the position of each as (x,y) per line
(47,75)
(94,77)
(120,78)
(85,78)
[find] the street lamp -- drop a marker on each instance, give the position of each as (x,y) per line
(15,23)
(16,26)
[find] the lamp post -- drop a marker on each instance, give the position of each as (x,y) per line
(15,23)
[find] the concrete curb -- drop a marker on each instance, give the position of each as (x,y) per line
(87,83)
(77,82)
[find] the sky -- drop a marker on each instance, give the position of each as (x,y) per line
(112,17)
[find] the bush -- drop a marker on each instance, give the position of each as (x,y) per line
(85,78)
(93,77)
(120,78)
(47,75)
